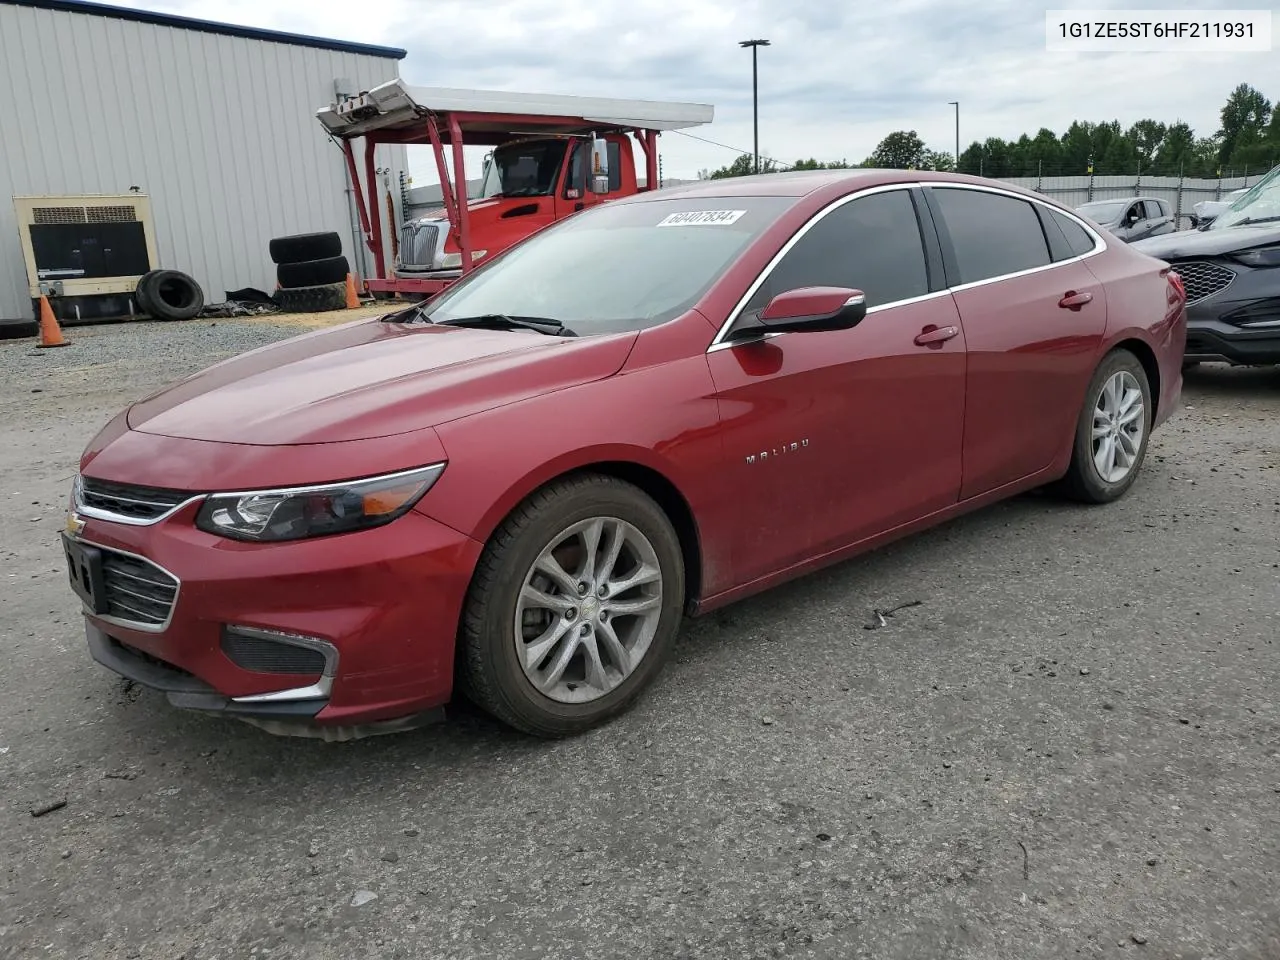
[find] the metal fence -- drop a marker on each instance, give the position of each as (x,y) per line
(1182,193)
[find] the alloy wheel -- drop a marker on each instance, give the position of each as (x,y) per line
(1118,426)
(588,609)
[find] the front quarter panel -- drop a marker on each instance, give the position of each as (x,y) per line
(659,413)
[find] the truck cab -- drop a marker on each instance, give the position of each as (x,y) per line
(528,183)
(552,155)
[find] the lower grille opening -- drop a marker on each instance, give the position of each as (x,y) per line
(1260,313)
(262,653)
(137,591)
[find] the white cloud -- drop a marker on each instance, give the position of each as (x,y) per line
(834,81)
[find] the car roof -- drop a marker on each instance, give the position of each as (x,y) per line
(801,183)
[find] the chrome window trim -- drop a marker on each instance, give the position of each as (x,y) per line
(718,342)
(135,624)
(321,689)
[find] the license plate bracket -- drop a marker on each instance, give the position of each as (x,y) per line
(84,570)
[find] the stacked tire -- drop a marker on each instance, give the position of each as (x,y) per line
(169,295)
(311,271)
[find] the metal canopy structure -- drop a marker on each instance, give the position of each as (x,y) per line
(394,112)
(394,109)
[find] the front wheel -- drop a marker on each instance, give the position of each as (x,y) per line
(574,607)
(1112,432)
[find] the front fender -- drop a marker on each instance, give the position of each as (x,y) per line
(663,418)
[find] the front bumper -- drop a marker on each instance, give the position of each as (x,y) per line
(326,637)
(1210,338)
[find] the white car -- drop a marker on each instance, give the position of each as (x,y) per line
(1204,211)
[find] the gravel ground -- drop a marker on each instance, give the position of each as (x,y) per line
(1070,747)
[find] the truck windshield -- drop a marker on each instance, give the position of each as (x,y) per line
(621,266)
(524,169)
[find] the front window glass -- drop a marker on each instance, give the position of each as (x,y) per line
(524,169)
(620,266)
(1102,211)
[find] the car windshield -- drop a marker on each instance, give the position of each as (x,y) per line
(617,267)
(1102,211)
(523,169)
(1260,202)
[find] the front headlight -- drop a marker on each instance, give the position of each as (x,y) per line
(452,261)
(1261,257)
(297,512)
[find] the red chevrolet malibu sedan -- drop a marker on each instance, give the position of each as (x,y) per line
(517,489)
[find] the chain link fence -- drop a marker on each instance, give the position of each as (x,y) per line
(1182,193)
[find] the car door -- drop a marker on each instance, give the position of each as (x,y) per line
(1161,218)
(1033,316)
(844,434)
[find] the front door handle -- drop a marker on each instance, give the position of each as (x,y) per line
(1074,301)
(932,334)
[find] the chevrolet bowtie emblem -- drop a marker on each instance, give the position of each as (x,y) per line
(74,525)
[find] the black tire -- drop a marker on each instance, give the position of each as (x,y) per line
(169,295)
(140,292)
(301,247)
(313,273)
(489,670)
(317,299)
(1083,482)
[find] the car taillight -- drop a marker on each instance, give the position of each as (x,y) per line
(1178,292)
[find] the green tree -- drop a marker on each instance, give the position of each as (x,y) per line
(1146,136)
(743,166)
(1176,153)
(1244,118)
(900,150)
(937,160)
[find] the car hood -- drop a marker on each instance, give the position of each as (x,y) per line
(1208,243)
(371,379)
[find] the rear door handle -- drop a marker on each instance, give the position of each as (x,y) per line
(1074,301)
(932,334)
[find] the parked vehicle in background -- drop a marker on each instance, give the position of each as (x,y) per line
(1231,270)
(535,175)
(1131,218)
(1202,213)
(654,408)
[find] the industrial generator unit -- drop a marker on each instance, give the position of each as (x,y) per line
(86,253)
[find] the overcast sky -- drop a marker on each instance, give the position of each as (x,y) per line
(836,78)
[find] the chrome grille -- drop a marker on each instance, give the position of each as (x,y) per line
(1203,279)
(137,591)
(128,501)
(418,244)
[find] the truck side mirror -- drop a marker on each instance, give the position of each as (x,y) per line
(598,181)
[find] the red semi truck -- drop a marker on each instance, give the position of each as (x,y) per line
(552,155)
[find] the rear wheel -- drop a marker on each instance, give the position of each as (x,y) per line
(574,607)
(1112,432)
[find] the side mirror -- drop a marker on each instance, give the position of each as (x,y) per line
(598,180)
(815,308)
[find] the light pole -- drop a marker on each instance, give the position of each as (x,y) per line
(755,102)
(956,104)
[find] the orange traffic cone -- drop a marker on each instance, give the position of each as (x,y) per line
(353,301)
(50,331)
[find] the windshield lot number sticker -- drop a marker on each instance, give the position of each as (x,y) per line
(701,218)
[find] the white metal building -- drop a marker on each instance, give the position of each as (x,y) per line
(214,123)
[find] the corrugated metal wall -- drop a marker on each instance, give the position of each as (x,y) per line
(219,131)
(1181,194)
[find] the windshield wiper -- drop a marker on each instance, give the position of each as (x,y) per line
(1247,220)
(500,321)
